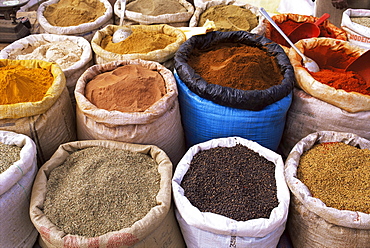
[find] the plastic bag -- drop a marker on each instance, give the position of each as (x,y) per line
(250,100)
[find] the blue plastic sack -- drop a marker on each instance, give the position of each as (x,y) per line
(204,120)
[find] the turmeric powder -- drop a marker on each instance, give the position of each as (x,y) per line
(21,84)
(139,41)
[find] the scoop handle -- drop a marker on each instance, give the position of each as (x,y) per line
(267,16)
(322,19)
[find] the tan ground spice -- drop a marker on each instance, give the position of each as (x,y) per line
(138,42)
(156,7)
(129,88)
(229,18)
(98,190)
(9,155)
(338,174)
(67,13)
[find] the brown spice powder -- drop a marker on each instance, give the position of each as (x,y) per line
(237,66)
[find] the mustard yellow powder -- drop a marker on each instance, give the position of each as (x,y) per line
(20,84)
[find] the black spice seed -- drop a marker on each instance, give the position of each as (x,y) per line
(235,182)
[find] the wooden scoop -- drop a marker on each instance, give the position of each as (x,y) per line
(361,66)
(307,30)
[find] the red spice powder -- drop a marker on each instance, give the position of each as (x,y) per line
(349,81)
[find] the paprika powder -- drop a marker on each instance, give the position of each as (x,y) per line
(333,73)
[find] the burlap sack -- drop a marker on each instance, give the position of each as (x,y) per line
(157,229)
(85,30)
(72,73)
(356,33)
(16,229)
(136,18)
(310,222)
(308,114)
(158,125)
(322,50)
(205,229)
(260,29)
(49,122)
(103,56)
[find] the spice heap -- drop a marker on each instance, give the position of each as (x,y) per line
(332,70)
(98,190)
(67,13)
(237,66)
(138,42)
(20,84)
(341,79)
(129,88)
(156,7)
(65,53)
(229,18)
(9,155)
(235,182)
(338,174)
(362,20)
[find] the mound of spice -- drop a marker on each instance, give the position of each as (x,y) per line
(129,88)
(362,20)
(229,18)
(20,84)
(99,190)
(236,66)
(156,7)
(67,13)
(139,41)
(235,182)
(65,53)
(341,79)
(9,155)
(338,174)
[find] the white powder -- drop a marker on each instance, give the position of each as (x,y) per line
(65,53)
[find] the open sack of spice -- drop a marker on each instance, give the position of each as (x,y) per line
(230,192)
(79,18)
(356,23)
(72,53)
(148,42)
(18,168)
(106,194)
(328,175)
(289,21)
(35,102)
(229,15)
(176,13)
(332,84)
(133,101)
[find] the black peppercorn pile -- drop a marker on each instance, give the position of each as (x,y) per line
(235,182)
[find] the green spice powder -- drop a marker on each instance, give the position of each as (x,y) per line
(98,190)
(9,155)
(338,174)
